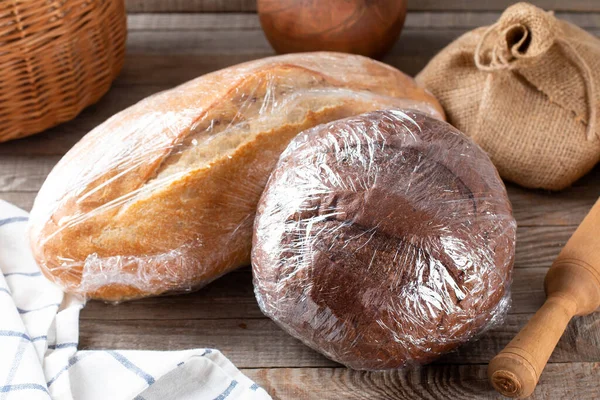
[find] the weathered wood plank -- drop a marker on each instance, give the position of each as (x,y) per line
(568,207)
(580,342)
(259,343)
(432,382)
(538,246)
(200,42)
(25,173)
(246,342)
(22,200)
(193,22)
(470,20)
(168,6)
(414,21)
(165,72)
(202,35)
(232,296)
(199,6)
(193,53)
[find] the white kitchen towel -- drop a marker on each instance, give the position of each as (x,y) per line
(39,330)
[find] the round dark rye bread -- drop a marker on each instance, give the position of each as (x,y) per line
(383,239)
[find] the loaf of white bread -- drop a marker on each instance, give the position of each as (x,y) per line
(162,196)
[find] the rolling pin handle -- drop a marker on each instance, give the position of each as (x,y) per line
(515,371)
(573,288)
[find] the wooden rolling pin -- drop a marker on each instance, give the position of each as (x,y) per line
(572,287)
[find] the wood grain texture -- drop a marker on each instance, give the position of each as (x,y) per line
(433,21)
(198,6)
(416,20)
(202,6)
(167,49)
(433,382)
(415,42)
(568,207)
(260,343)
(22,200)
(193,22)
(232,297)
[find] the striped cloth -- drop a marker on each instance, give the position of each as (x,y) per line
(39,335)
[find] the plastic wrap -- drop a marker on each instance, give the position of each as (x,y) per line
(162,196)
(384,239)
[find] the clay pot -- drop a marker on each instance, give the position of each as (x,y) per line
(367,27)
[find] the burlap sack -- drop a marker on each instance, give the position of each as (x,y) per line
(526,90)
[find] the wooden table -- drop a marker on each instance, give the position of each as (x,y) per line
(173,41)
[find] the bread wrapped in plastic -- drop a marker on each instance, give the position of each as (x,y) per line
(162,196)
(384,239)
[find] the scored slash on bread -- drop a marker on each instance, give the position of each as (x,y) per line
(161,197)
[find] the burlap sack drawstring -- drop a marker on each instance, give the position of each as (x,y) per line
(499,62)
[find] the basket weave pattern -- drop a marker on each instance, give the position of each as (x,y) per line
(56,58)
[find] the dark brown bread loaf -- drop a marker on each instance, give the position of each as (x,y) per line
(383,239)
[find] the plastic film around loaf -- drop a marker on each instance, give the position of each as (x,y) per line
(384,239)
(161,197)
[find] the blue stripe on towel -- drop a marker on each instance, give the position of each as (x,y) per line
(207,351)
(72,361)
(227,391)
(11,220)
(23,273)
(22,336)
(5,290)
(254,387)
(22,386)
(21,311)
(62,345)
(132,367)
(15,334)
(16,361)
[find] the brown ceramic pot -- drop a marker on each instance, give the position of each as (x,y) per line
(367,27)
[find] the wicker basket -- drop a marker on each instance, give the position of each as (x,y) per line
(56,58)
